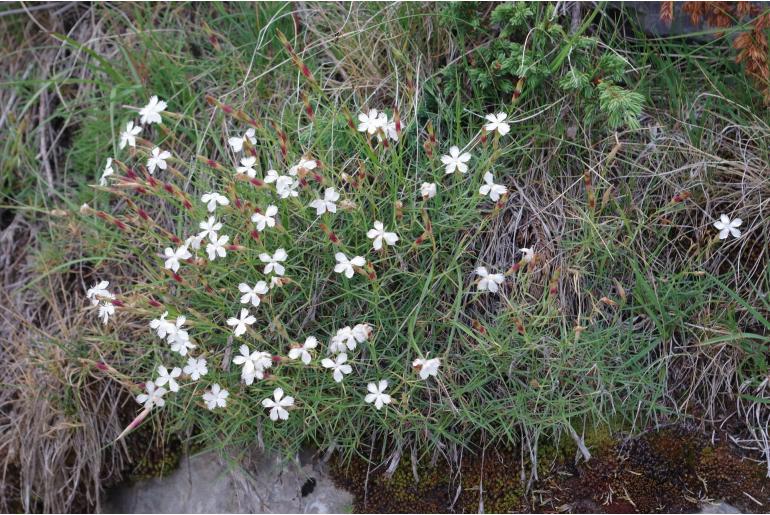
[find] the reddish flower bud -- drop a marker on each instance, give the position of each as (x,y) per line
(177,278)
(151,180)
(118,303)
(120,225)
(141,190)
(154,303)
(168,187)
(187,204)
(227,108)
(255,234)
(175,240)
(256,182)
(276,359)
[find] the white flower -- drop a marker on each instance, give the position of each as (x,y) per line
(304,351)
(497,123)
(428,189)
(727,227)
(195,368)
(157,159)
(345,337)
(236,143)
(490,188)
(106,310)
(362,332)
(455,160)
(304,164)
(271,177)
(176,328)
(427,367)
(338,365)
(216,397)
(99,291)
(173,256)
(209,229)
(274,262)
(252,294)
(216,246)
(378,234)
(388,127)
(162,326)
(153,397)
(247,167)
(128,136)
(286,186)
(213,198)
(279,405)
(265,220)
(370,122)
(106,173)
(527,254)
(254,364)
(345,265)
(377,394)
(326,204)
(241,322)
(489,281)
(177,337)
(151,112)
(194,241)
(168,377)
(180,342)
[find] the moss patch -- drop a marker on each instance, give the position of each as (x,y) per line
(438,488)
(672,470)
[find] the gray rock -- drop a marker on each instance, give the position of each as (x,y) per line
(719,507)
(254,483)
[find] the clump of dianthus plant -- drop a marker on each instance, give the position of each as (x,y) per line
(280,275)
(315,280)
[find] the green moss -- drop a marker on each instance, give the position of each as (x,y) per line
(436,488)
(669,470)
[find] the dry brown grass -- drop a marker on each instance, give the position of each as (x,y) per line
(57,417)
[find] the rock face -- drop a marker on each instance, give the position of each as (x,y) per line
(720,507)
(259,483)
